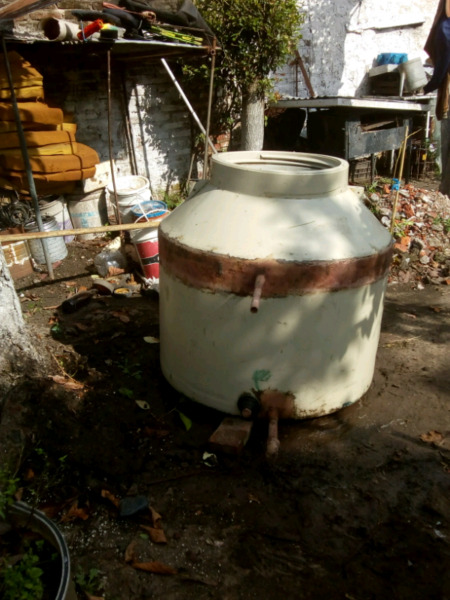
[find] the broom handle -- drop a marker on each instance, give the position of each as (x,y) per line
(402,162)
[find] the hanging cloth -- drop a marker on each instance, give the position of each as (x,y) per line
(437,47)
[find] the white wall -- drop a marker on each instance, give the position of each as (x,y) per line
(342,39)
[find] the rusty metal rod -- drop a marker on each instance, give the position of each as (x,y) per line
(208,116)
(38,235)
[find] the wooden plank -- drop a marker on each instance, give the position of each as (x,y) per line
(361,143)
(40,235)
(300,63)
(19,8)
(377,125)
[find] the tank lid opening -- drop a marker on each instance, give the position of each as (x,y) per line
(280,161)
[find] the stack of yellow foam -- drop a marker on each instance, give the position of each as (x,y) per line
(57,160)
(27,82)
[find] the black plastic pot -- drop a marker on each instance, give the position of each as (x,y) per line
(22,515)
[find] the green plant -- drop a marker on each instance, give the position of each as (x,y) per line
(255,37)
(8,489)
(130,369)
(174,199)
(88,582)
(34,307)
(48,473)
(372,188)
(444,222)
(23,579)
(401,228)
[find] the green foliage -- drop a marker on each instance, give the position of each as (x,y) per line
(444,222)
(255,37)
(8,488)
(23,579)
(401,228)
(48,474)
(131,369)
(185,420)
(88,582)
(174,199)
(124,391)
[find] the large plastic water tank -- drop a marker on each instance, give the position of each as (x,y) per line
(272,282)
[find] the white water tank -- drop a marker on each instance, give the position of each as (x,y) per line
(272,282)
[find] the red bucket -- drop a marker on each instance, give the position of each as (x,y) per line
(146,244)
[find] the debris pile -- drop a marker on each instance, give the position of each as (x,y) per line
(421,232)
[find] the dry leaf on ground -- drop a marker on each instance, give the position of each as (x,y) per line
(156,534)
(156,518)
(75,512)
(114,499)
(69,384)
(157,433)
(121,316)
(432,437)
(155,567)
(129,552)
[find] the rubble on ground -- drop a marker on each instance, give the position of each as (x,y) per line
(421,232)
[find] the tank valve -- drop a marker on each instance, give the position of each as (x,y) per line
(249,406)
(259,283)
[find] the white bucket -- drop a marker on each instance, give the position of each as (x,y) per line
(413,73)
(57,209)
(131,190)
(85,212)
(56,246)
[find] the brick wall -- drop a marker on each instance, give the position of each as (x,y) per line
(162,127)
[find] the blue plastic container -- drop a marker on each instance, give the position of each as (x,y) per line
(391,58)
(150,209)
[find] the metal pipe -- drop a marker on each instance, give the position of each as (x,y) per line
(188,104)
(26,160)
(208,117)
(111,161)
(259,283)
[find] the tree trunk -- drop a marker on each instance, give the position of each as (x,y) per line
(18,355)
(252,119)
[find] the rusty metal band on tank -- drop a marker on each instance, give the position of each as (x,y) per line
(221,273)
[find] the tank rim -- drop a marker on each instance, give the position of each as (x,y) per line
(306,162)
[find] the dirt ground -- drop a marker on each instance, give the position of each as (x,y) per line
(356,506)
